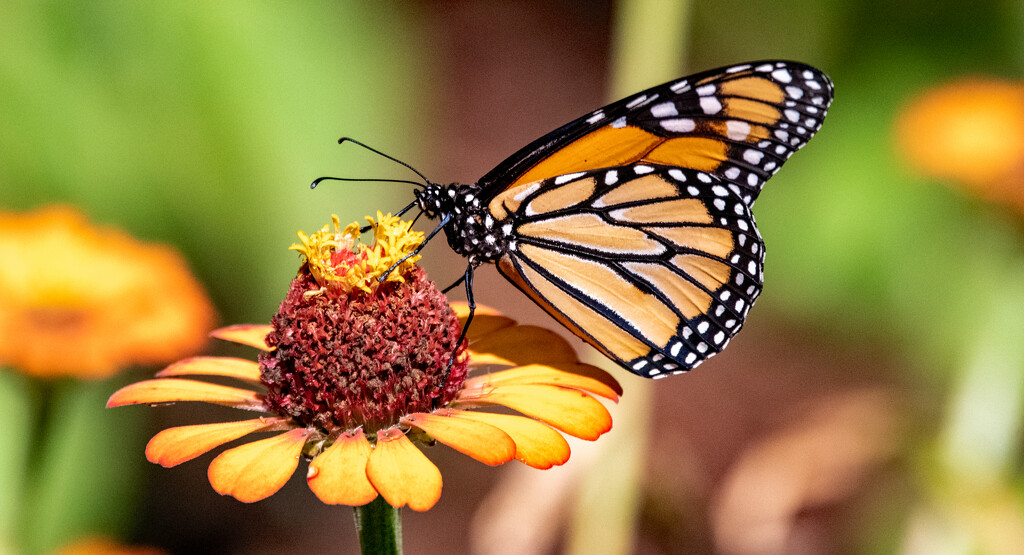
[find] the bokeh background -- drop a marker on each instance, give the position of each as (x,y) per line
(872,404)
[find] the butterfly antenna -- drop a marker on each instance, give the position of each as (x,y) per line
(373,179)
(379,153)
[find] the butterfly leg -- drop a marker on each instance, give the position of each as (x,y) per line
(400,213)
(453,285)
(440,226)
(468,279)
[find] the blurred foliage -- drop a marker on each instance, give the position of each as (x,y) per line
(191,123)
(202,124)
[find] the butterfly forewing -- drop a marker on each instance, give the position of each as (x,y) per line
(654,265)
(739,123)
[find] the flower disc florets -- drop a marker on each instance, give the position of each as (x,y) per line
(351,350)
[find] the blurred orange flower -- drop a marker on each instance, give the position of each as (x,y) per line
(83,301)
(355,371)
(972,133)
(104,546)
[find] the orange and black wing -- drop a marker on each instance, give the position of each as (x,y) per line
(654,265)
(738,123)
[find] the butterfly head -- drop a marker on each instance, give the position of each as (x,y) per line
(436,200)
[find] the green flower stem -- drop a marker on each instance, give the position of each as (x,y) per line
(985,415)
(87,467)
(380,528)
(17,405)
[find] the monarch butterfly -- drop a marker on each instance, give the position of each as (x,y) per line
(632,225)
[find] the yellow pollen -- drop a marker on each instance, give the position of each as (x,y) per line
(334,258)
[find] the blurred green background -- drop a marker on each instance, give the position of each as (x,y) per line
(201,124)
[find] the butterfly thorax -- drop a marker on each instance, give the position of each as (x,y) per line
(471,229)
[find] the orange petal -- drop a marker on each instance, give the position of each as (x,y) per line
(518,345)
(485,320)
(257,470)
(537,445)
(402,473)
(170,390)
(481,441)
(338,475)
(488,359)
(253,335)
(239,368)
(590,371)
(570,410)
(174,446)
(540,374)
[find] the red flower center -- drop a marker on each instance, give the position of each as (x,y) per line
(349,359)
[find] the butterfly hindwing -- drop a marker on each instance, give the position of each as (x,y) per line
(738,123)
(654,265)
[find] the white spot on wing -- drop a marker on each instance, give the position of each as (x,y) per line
(636,101)
(710,105)
(664,110)
(678,125)
(782,75)
(737,130)
(567,178)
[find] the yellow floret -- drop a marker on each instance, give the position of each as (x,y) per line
(393,240)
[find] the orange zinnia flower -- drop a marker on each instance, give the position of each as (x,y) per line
(355,371)
(98,545)
(77,300)
(972,132)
